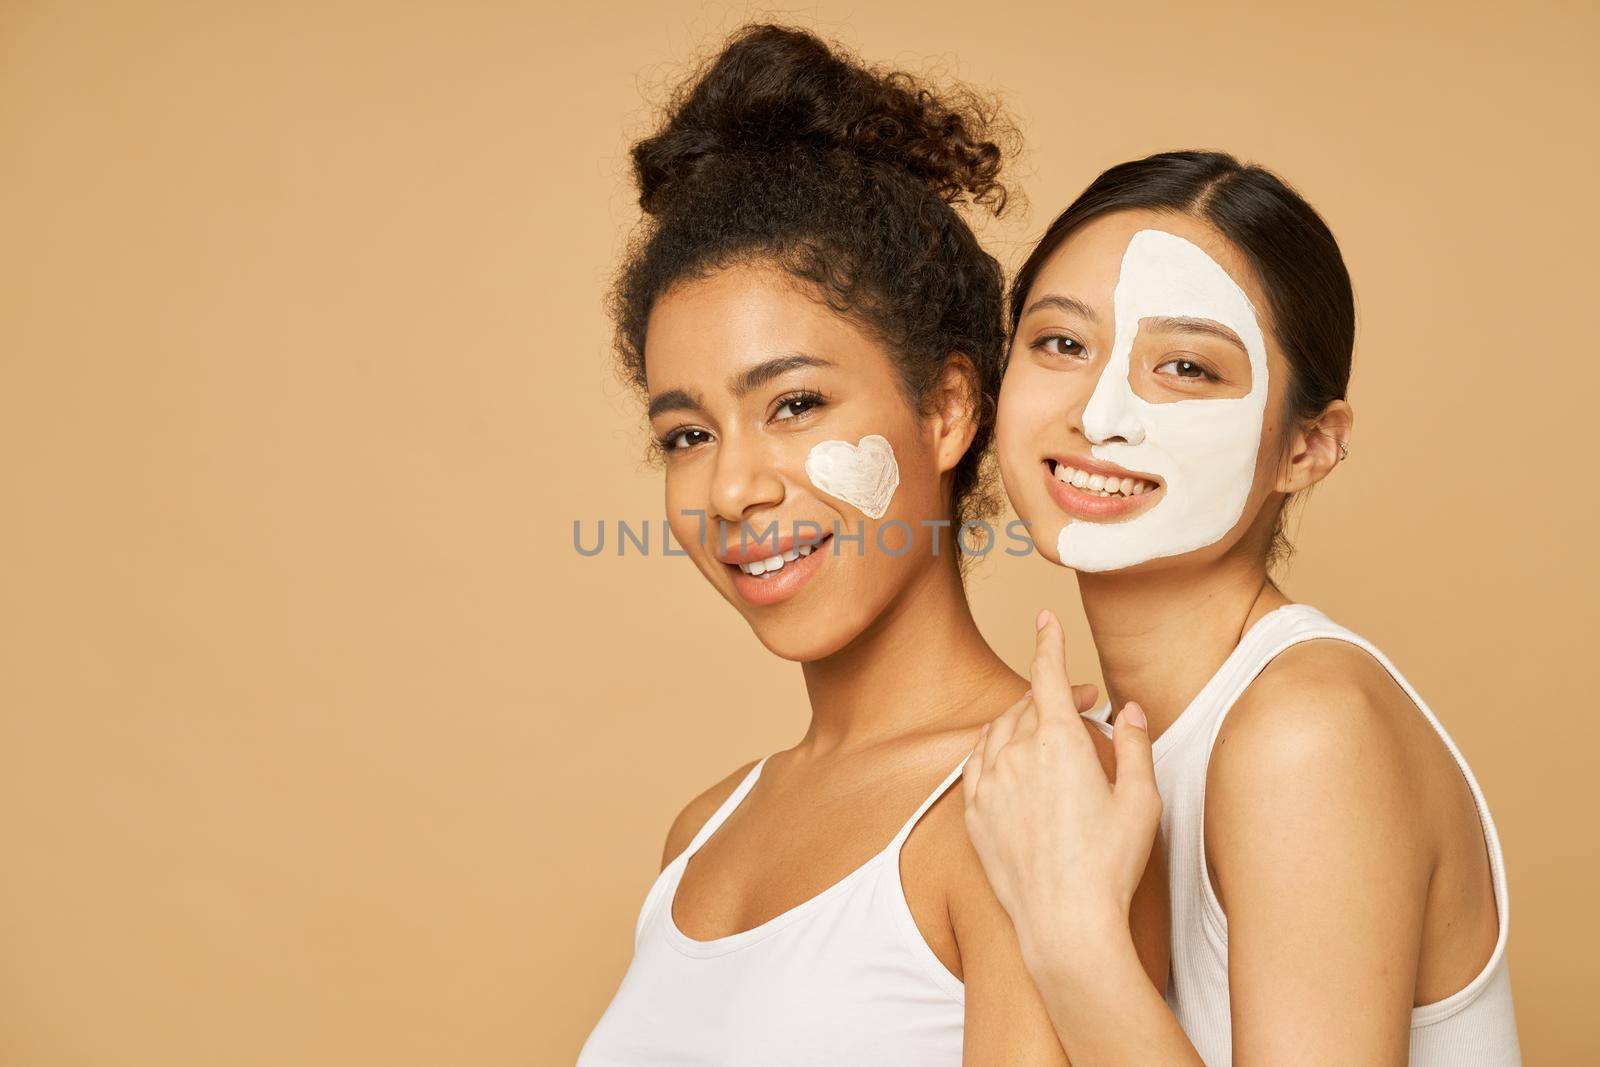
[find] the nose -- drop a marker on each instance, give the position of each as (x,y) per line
(744,481)
(1112,413)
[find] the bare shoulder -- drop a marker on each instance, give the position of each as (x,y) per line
(1320,704)
(697,811)
(1323,751)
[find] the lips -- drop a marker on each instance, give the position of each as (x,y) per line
(1097,491)
(742,550)
(761,582)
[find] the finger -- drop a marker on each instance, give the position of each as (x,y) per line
(973,770)
(1130,737)
(1051,690)
(1027,722)
(1085,697)
(1003,728)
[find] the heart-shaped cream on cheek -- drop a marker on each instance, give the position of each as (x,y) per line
(863,475)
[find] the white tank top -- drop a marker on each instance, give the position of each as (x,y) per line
(1472,1026)
(844,977)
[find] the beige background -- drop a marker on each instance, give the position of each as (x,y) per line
(320,745)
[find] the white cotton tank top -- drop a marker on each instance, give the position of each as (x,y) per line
(845,977)
(1474,1026)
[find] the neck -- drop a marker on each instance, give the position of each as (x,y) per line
(1162,635)
(922,665)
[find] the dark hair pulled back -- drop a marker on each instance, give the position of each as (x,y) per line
(1311,307)
(783,149)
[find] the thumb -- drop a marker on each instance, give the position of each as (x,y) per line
(1130,737)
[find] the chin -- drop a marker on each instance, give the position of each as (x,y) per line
(1046,550)
(800,643)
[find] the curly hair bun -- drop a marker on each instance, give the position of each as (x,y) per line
(773,89)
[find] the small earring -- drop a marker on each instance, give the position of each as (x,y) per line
(1344,452)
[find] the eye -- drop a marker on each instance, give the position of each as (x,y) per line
(1058,344)
(1188,368)
(681,440)
(797,404)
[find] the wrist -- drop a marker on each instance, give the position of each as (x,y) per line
(1074,944)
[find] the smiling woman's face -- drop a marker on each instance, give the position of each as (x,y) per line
(1137,417)
(747,373)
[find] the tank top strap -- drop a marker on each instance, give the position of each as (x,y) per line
(1269,635)
(905,830)
(725,809)
(1273,633)
(666,881)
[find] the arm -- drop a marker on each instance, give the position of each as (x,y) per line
(1069,855)
(1149,912)
(1007,1018)
(1006,1023)
(1322,862)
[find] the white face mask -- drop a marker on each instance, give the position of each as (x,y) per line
(1203,450)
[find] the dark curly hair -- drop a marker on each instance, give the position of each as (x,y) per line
(783,149)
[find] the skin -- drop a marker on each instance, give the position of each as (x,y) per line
(899,678)
(1342,840)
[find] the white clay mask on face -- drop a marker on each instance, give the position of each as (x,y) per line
(863,475)
(1204,450)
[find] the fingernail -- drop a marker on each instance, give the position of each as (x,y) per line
(1135,715)
(1044,617)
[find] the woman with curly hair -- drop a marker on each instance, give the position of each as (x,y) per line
(819,341)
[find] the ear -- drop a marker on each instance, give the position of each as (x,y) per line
(956,403)
(1317,447)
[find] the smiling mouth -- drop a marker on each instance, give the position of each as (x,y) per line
(1093,491)
(766,568)
(774,579)
(1099,484)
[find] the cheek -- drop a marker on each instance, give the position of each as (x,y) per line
(1270,456)
(684,496)
(1029,404)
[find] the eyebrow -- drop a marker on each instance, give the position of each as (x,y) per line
(1187,324)
(740,384)
(1062,303)
(765,371)
(673,400)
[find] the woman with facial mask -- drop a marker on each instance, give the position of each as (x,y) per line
(819,339)
(1181,346)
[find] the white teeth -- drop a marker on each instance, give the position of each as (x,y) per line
(1099,484)
(774,563)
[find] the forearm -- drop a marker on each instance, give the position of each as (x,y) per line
(1100,1000)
